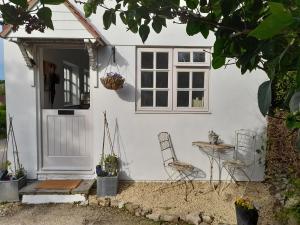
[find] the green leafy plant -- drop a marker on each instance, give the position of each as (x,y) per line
(111,164)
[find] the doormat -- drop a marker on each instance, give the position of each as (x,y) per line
(58,184)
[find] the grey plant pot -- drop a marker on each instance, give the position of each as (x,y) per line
(107,186)
(9,190)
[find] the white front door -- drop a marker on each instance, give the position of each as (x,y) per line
(66,140)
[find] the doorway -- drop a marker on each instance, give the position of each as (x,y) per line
(65,110)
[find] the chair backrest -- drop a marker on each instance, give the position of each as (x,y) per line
(166,147)
(245,146)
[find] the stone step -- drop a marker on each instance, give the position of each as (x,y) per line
(31,195)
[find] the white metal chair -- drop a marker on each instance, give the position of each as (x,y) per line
(176,170)
(244,155)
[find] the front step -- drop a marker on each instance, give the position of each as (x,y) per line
(31,195)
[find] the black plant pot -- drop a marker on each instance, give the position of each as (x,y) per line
(246,216)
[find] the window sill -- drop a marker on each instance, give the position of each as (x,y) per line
(171,112)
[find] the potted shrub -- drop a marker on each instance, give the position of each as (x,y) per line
(11,182)
(107,175)
(246,213)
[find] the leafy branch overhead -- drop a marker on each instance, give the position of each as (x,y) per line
(253,34)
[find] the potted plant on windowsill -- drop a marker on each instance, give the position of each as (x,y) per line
(246,213)
(107,176)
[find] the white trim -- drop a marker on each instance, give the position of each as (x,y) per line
(172,82)
(191,63)
(154,70)
(190,70)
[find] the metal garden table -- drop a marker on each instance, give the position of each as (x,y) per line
(213,153)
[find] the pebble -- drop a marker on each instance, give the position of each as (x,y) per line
(153,216)
(193,218)
(207,219)
(169,218)
(130,207)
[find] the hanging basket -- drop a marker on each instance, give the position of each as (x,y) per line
(113,81)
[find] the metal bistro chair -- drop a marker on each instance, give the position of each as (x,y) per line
(176,170)
(244,155)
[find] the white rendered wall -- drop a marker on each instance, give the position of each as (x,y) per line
(233,105)
(21,105)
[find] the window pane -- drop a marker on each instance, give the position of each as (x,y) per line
(198,56)
(184,57)
(162,60)
(197,99)
(146,79)
(162,79)
(183,80)
(147,98)
(198,80)
(182,98)
(147,60)
(162,98)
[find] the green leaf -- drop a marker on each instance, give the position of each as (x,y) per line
(52,2)
(88,9)
(132,25)
(8,11)
(45,15)
(157,24)
(192,27)
(218,61)
(123,18)
(293,120)
(294,104)
(192,4)
(144,32)
(264,96)
(279,19)
(22,3)
(108,18)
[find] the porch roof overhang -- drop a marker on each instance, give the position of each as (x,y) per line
(77,14)
(26,44)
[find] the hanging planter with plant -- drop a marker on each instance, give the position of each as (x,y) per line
(112,80)
(246,213)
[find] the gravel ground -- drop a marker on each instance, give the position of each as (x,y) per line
(163,198)
(66,214)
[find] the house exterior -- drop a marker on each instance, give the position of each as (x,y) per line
(57,101)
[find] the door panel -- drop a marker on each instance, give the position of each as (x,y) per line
(66,140)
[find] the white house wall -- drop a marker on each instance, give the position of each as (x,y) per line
(21,105)
(232,103)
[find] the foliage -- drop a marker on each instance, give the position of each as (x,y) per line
(111,164)
(244,203)
(253,34)
(292,209)
(282,89)
(2,88)
(2,121)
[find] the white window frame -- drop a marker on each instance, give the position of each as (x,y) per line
(86,81)
(190,89)
(174,67)
(154,89)
(75,70)
(191,63)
